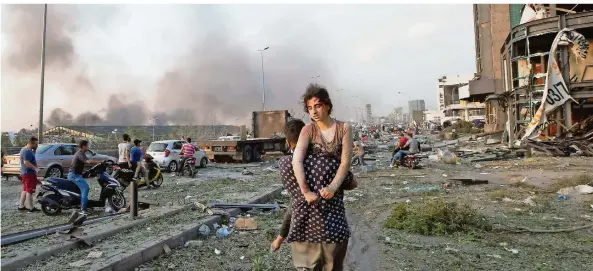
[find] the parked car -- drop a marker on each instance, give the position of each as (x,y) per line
(166,154)
(53,160)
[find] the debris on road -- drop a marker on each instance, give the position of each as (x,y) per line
(95,254)
(467,181)
(245,224)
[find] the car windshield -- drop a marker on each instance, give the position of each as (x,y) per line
(42,148)
(157,147)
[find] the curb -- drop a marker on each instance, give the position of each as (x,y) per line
(44,254)
(152,249)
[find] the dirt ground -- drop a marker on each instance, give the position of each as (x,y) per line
(212,184)
(373,247)
(519,193)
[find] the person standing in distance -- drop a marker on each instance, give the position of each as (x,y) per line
(124,151)
(28,175)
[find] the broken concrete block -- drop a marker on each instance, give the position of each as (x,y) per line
(167,249)
(95,254)
(491,141)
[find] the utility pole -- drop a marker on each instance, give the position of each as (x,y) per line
(40,129)
(263,81)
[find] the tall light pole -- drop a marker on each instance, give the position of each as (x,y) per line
(315,78)
(263,81)
(154,119)
(40,129)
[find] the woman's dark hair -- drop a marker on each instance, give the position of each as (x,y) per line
(319,92)
(126,137)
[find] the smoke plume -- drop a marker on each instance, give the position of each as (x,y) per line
(219,81)
(25,28)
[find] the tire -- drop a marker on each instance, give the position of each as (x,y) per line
(51,211)
(54,172)
(355,162)
(188,171)
(203,162)
(247,154)
(257,153)
(117,200)
(158,182)
(172,166)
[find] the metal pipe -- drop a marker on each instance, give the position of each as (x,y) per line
(15,238)
(41,91)
(244,205)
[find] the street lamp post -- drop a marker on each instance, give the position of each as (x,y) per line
(263,81)
(153,124)
(40,129)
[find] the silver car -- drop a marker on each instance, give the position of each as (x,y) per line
(53,160)
(166,154)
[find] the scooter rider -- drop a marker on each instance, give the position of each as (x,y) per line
(187,151)
(75,174)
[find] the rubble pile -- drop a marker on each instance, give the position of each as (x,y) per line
(565,146)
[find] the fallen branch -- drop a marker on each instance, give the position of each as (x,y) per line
(525,229)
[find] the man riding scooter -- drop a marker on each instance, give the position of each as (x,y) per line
(187,151)
(410,147)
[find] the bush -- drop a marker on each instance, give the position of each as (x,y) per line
(436,217)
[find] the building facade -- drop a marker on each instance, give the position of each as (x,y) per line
(524,57)
(492,23)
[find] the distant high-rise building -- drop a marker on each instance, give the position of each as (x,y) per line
(415,105)
(369,113)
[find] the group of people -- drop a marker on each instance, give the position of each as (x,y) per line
(29,172)
(315,174)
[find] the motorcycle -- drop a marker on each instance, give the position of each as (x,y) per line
(125,175)
(58,194)
(410,161)
(189,168)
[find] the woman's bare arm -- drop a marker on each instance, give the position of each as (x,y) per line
(345,160)
(300,151)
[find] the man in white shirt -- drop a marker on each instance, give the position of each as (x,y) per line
(124,151)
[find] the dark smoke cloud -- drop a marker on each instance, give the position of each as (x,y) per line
(218,81)
(25,27)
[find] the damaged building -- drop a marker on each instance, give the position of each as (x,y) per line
(526,65)
(455,102)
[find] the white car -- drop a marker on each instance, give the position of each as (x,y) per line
(166,154)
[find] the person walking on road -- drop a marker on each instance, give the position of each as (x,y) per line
(28,175)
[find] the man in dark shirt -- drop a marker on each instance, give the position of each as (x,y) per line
(28,175)
(75,174)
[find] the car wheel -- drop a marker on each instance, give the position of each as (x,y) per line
(54,172)
(172,166)
(203,162)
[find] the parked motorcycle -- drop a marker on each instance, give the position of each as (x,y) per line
(125,175)
(58,194)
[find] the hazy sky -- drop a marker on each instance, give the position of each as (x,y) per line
(199,63)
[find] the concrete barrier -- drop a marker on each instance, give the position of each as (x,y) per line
(152,249)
